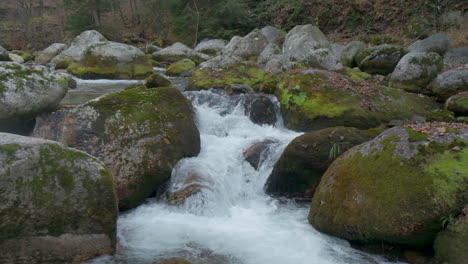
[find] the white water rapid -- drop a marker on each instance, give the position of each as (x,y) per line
(232,220)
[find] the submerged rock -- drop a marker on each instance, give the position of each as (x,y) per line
(58,204)
(50,52)
(415,71)
(261,110)
(253,155)
(26,92)
(112,60)
(302,164)
(140,134)
(396,188)
(381,59)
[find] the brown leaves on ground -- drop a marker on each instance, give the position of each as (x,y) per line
(437,128)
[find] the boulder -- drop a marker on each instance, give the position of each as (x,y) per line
(302,164)
(450,245)
(415,71)
(337,49)
(15,58)
(150,49)
(246,47)
(315,99)
(449,83)
(272,34)
(458,103)
(27,57)
(396,188)
(140,134)
(178,52)
(253,155)
(350,51)
(50,52)
(211,47)
(4,54)
(275,64)
(381,59)
(180,67)
(58,204)
(157,80)
(456,57)
(220,62)
(192,184)
(438,43)
(26,92)
(260,109)
(270,50)
(78,46)
(112,60)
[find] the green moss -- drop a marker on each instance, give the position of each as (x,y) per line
(458,104)
(64,64)
(157,80)
(180,67)
(450,245)
(357,74)
(415,136)
(441,115)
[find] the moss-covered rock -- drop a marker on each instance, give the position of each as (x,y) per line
(111,60)
(441,115)
(157,80)
(178,52)
(140,134)
(451,245)
(449,83)
(27,57)
(357,74)
(302,164)
(313,99)
(78,46)
(396,188)
(58,204)
(239,73)
(26,92)
(180,67)
(458,103)
(380,59)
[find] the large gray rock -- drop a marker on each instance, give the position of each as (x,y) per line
(211,47)
(415,71)
(249,46)
(140,134)
(337,49)
(270,50)
(4,54)
(27,92)
(458,103)
(79,45)
(275,64)
(220,62)
(15,58)
(350,51)
(381,59)
(324,59)
(273,34)
(178,52)
(50,52)
(58,204)
(449,83)
(438,43)
(456,57)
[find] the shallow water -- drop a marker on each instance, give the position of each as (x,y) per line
(231,220)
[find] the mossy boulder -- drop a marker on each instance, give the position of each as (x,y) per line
(381,59)
(350,51)
(27,57)
(58,204)
(238,73)
(26,92)
(180,67)
(140,134)
(78,46)
(415,71)
(314,99)
(357,74)
(451,245)
(157,80)
(396,188)
(449,82)
(302,164)
(4,54)
(111,60)
(458,103)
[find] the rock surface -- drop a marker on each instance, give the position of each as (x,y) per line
(78,46)
(180,67)
(261,109)
(58,204)
(396,188)
(178,52)
(415,71)
(248,46)
(450,245)
(4,54)
(211,46)
(449,83)
(438,43)
(458,103)
(139,134)
(50,52)
(253,155)
(26,92)
(456,57)
(350,51)
(302,164)
(381,59)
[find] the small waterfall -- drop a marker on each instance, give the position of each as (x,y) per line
(230,220)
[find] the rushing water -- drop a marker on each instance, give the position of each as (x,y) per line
(232,220)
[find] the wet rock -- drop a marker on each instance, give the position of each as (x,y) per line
(302,164)
(191,185)
(111,60)
(370,190)
(381,59)
(350,51)
(157,80)
(449,83)
(438,43)
(240,89)
(458,103)
(180,67)
(58,204)
(178,52)
(456,57)
(415,71)
(253,154)
(78,47)
(50,52)
(261,110)
(26,92)
(140,134)
(211,46)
